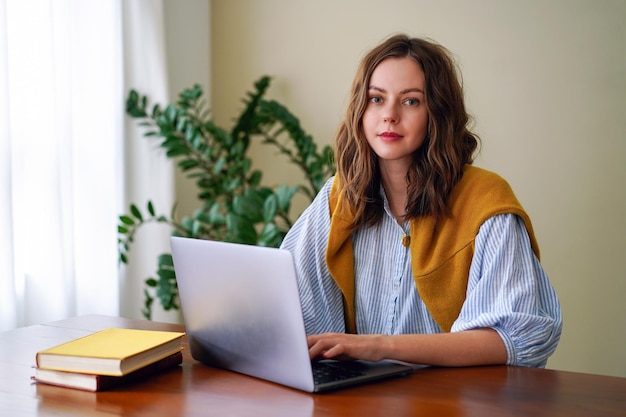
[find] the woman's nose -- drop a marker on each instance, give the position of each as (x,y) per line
(390,114)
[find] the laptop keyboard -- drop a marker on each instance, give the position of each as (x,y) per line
(325,372)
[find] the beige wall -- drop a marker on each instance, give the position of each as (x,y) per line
(187,41)
(546,83)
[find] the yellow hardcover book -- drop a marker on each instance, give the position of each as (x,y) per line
(112,351)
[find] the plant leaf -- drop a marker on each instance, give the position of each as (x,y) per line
(135,211)
(127,220)
(269,235)
(270,207)
(241,229)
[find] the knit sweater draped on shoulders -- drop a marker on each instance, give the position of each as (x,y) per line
(441,248)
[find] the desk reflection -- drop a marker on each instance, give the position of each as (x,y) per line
(261,398)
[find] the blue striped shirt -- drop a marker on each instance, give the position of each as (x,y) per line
(508,290)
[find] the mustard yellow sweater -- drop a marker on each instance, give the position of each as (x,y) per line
(441,252)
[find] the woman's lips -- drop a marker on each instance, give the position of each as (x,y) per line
(389,136)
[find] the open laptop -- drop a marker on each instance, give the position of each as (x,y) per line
(242,311)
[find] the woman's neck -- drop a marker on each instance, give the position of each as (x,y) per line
(394,182)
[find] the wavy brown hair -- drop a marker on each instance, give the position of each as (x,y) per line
(437,165)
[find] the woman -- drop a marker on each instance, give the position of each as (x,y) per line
(409,252)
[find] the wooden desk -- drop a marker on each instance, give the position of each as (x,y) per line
(195,389)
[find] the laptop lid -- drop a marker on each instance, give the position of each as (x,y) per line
(242,311)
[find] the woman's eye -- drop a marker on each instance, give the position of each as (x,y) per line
(376,100)
(411,102)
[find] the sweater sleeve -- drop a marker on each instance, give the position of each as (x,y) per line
(509,291)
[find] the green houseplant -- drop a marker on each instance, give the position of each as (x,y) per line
(235,206)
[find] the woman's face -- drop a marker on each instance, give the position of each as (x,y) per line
(395,120)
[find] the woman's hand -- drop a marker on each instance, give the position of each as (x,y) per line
(347,346)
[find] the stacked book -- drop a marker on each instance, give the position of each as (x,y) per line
(109,358)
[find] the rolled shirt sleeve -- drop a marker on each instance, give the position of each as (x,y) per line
(509,291)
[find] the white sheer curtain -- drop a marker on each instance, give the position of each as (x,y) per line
(64,163)
(149,175)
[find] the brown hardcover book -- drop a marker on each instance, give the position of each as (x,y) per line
(93,382)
